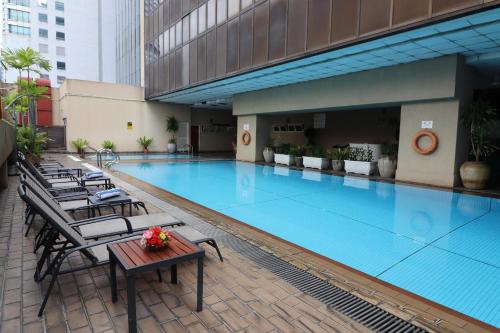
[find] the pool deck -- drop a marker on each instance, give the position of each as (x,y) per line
(239,294)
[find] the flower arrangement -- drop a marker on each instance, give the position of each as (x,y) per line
(155,238)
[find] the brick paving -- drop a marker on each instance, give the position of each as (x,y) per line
(239,296)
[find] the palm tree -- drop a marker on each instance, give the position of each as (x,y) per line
(29,61)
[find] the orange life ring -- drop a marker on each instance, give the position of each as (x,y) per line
(246,138)
(428,150)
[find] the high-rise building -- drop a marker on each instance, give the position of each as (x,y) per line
(128,42)
(76,36)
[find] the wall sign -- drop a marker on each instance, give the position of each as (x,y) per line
(246,127)
(427,123)
(129,125)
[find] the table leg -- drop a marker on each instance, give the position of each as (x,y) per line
(112,271)
(199,289)
(173,274)
(130,208)
(132,321)
(123,209)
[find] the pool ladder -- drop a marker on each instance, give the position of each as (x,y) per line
(108,152)
(186,148)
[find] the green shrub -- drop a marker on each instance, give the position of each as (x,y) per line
(29,141)
(361,154)
(80,144)
(339,154)
(297,151)
(145,142)
(313,151)
(108,144)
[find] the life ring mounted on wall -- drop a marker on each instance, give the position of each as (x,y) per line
(427,150)
(246,138)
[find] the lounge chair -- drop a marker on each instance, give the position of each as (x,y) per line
(65,238)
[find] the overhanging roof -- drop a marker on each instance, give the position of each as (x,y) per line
(475,36)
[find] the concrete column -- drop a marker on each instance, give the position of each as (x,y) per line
(440,168)
(259,129)
(4,179)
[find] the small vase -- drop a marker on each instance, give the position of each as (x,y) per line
(337,165)
(268,155)
(387,166)
(475,175)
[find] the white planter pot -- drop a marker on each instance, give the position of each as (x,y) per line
(172,148)
(387,167)
(364,168)
(268,155)
(316,162)
(283,159)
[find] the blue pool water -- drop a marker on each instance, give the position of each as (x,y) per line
(441,245)
(128,157)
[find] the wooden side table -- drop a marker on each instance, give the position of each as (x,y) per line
(133,260)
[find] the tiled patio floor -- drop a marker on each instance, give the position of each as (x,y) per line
(239,295)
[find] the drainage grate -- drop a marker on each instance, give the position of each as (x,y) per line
(337,299)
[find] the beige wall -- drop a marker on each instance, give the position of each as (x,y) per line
(220,141)
(100,111)
(438,168)
(259,127)
(380,87)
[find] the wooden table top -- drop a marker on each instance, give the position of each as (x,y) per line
(132,255)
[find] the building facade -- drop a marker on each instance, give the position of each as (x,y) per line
(400,63)
(77,36)
(128,42)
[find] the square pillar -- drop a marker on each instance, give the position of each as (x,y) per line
(440,168)
(259,128)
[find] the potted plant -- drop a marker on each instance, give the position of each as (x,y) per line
(283,156)
(145,143)
(30,142)
(360,161)
(479,119)
(338,155)
(108,144)
(80,145)
(388,160)
(297,153)
(314,158)
(172,128)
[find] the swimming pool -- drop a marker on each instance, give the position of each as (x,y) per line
(441,245)
(129,157)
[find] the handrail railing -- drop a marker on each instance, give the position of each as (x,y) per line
(100,152)
(187,147)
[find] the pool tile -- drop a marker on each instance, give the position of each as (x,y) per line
(459,283)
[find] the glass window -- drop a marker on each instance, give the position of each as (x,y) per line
(60,35)
(42,17)
(210,13)
(166,41)
(59,5)
(44,76)
(221,11)
(18,15)
(172,37)
(61,65)
(24,3)
(160,44)
(178,33)
(202,18)
(59,20)
(60,79)
(193,21)
(44,33)
(233,7)
(43,48)
(16,29)
(185,29)
(245,3)
(60,51)
(42,3)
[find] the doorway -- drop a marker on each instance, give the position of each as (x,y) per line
(195,139)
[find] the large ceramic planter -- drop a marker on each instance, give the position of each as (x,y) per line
(268,155)
(364,168)
(316,162)
(299,161)
(387,167)
(171,148)
(283,159)
(337,165)
(475,175)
